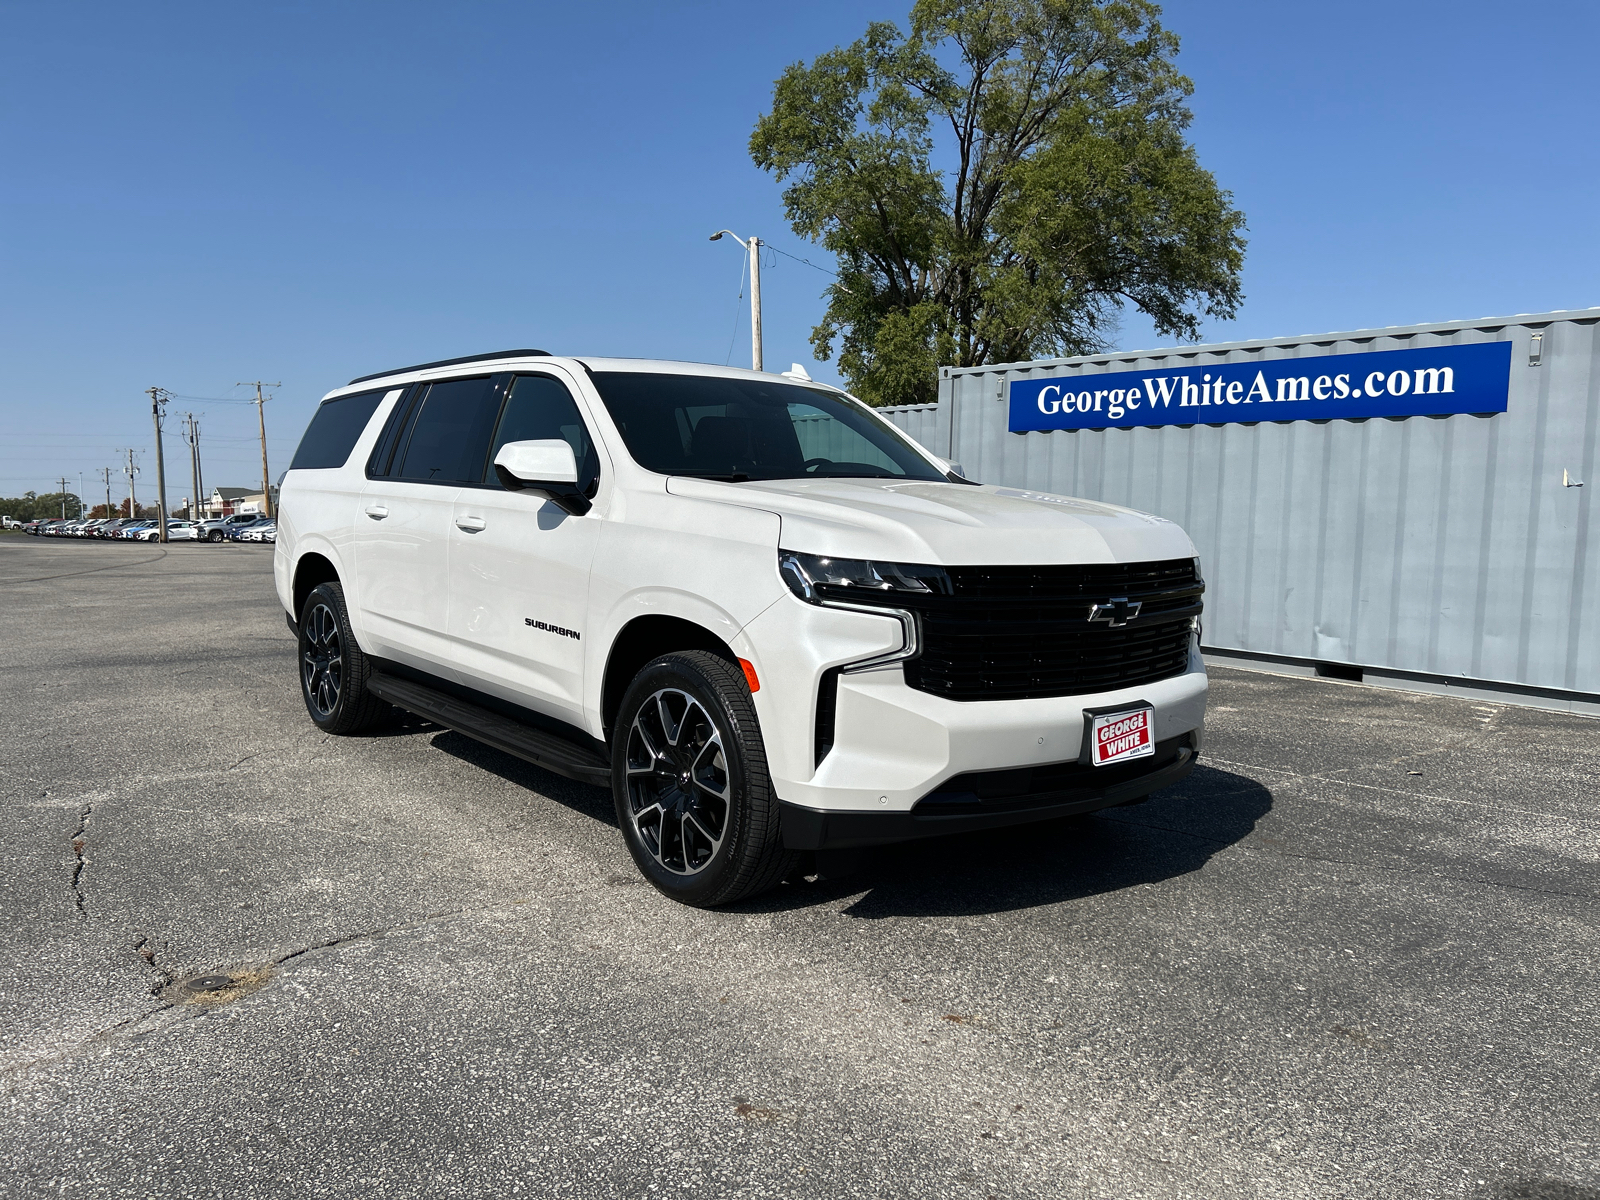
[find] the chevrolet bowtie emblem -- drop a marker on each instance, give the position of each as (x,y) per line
(1119,610)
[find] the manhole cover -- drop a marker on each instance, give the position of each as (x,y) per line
(209,983)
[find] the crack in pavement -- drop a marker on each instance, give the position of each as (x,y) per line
(131,1026)
(372,934)
(79,839)
(147,952)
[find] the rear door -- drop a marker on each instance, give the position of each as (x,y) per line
(403,528)
(519,564)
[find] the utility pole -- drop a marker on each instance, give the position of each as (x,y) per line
(63,482)
(191,434)
(133,500)
(755,303)
(81,513)
(261,413)
(752,246)
(106,471)
(158,397)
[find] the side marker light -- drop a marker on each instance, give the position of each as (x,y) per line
(750,674)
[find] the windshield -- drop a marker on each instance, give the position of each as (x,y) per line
(738,429)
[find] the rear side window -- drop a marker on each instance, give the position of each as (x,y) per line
(540,408)
(449,436)
(334,431)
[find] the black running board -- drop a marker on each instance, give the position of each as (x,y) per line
(540,747)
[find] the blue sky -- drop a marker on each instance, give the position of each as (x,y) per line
(194,195)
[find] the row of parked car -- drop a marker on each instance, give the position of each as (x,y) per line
(241,527)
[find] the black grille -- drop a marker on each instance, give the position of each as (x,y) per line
(1012,633)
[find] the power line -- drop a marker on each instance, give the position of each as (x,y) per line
(738,309)
(220,399)
(798,259)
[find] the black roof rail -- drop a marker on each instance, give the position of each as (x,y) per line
(451,362)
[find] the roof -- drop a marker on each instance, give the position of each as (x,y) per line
(1537,320)
(452,362)
(508,359)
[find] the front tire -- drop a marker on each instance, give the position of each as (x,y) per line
(333,670)
(214,536)
(689,777)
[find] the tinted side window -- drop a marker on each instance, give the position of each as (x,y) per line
(399,421)
(540,409)
(450,433)
(334,431)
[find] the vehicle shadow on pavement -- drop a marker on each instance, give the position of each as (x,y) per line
(1545,1189)
(580,797)
(1175,832)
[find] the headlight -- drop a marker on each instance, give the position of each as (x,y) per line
(814,578)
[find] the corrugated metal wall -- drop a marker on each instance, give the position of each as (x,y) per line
(1447,546)
(928,424)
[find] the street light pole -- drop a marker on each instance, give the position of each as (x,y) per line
(752,247)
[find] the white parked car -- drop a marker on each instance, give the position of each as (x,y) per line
(177,531)
(746,603)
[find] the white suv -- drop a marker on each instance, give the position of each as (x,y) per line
(746,603)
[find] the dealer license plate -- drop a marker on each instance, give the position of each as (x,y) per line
(1117,737)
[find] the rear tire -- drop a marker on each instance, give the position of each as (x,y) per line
(689,777)
(333,670)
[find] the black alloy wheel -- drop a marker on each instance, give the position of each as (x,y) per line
(690,781)
(333,670)
(321,660)
(678,788)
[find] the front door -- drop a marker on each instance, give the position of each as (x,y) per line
(519,564)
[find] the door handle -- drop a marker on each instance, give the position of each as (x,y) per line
(471,524)
(377,512)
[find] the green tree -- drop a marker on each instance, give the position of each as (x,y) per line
(995,184)
(31,507)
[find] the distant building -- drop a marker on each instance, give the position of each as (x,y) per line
(225,500)
(252,503)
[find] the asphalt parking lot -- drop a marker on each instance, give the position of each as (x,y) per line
(1354,955)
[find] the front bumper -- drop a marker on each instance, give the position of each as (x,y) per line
(993,800)
(890,747)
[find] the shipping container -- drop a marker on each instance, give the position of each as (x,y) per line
(1408,533)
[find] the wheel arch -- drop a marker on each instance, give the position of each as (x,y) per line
(645,638)
(310,570)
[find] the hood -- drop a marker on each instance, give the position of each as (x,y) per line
(949,524)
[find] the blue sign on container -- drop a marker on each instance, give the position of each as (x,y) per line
(1429,381)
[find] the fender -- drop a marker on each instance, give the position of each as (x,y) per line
(649,602)
(316,544)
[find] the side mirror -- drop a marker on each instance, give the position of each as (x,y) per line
(546,467)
